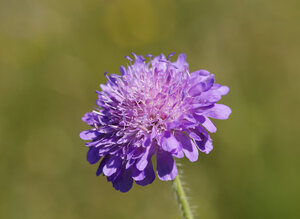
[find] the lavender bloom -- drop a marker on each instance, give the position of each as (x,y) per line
(155,107)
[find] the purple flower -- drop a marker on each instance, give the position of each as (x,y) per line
(155,107)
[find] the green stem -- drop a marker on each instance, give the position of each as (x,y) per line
(182,199)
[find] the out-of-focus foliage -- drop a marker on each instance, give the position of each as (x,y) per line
(53,55)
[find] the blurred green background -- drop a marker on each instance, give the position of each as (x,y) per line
(53,55)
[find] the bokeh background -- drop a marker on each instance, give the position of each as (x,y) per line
(53,55)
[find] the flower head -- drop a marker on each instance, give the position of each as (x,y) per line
(155,107)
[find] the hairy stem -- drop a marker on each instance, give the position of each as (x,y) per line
(182,199)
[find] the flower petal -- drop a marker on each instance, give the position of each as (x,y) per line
(124,181)
(169,142)
(112,165)
(214,94)
(90,118)
(220,89)
(205,145)
(202,86)
(149,175)
(138,174)
(102,163)
(166,166)
(188,146)
(181,64)
(219,111)
(122,70)
(143,161)
(93,155)
(89,134)
(201,138)
(199,73)
(206,122)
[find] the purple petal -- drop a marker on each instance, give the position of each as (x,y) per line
(202,86)
(181,64)
(201,138)
(205,145)
(149,175)
(173,124)
(190,118)
(143,161)
(214,94)
(220,89)
(129,163)
(146,158)
(122,70)
(209,125)
(89,134)
(114,177)
(219,111)
(93,155)
(136,153)
(112,165)
(138,175)
(169,142)
(147,141)
(102,163)
(188,146)
(111,149)
(124,181)
(166,166)
(90,118)
(199,73)
(206,123)
(181,59)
